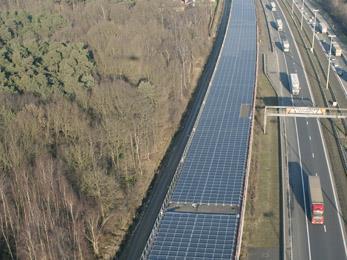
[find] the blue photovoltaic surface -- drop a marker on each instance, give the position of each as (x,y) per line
(213,169)
(195,236)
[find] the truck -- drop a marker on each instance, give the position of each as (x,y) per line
(322,27)
(336,49)
(285,45)
(273,6)
(294,84)
(279,25)
(316,200)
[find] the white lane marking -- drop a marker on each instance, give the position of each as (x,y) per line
(325,228)
(285,126)
(297,138)
(309,137)
(312,155)
(321,135)
(332,183)
(303,191)
(342,85)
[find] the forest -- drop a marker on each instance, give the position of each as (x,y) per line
(91,93)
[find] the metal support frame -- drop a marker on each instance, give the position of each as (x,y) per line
(314,27)
(329,59)
(308,112)
(302,13)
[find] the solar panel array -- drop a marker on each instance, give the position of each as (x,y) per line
(205,235)
(214,166)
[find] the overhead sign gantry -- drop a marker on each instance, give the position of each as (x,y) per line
(312,112)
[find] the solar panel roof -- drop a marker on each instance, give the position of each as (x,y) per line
(195,236)
(214,167)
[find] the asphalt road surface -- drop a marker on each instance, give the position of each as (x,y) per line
(307,155)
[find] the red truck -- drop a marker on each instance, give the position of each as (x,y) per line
(316,200)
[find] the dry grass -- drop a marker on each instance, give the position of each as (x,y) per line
(262,217)
(261,229)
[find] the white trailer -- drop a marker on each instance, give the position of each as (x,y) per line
(294,84)
(285,45)
(273,6)
(279,25)
(336,49)
(322,27)
(316,200)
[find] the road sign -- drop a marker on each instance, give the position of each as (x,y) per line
(306,110)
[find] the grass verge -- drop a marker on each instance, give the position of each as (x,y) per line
(261,229)
(262,216)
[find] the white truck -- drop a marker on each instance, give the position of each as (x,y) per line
(273,6)
(336,49)
(279,25)
(285,45)
(322,27)
(294,84)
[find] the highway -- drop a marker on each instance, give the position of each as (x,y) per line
(339,63)
(306,155)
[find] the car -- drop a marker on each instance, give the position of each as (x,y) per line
(339,71)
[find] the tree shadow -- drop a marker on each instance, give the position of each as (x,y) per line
(325,124)
(328,199)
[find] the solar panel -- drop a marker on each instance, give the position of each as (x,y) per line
(213,170)
(195,236)
(214,167)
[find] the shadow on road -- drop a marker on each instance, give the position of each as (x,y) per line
(286,101)
(279,45)
(268,6)
(296,185)
(299,186)
(285,81)
(325,46)
(273,25)
(277,101)
(328,199)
